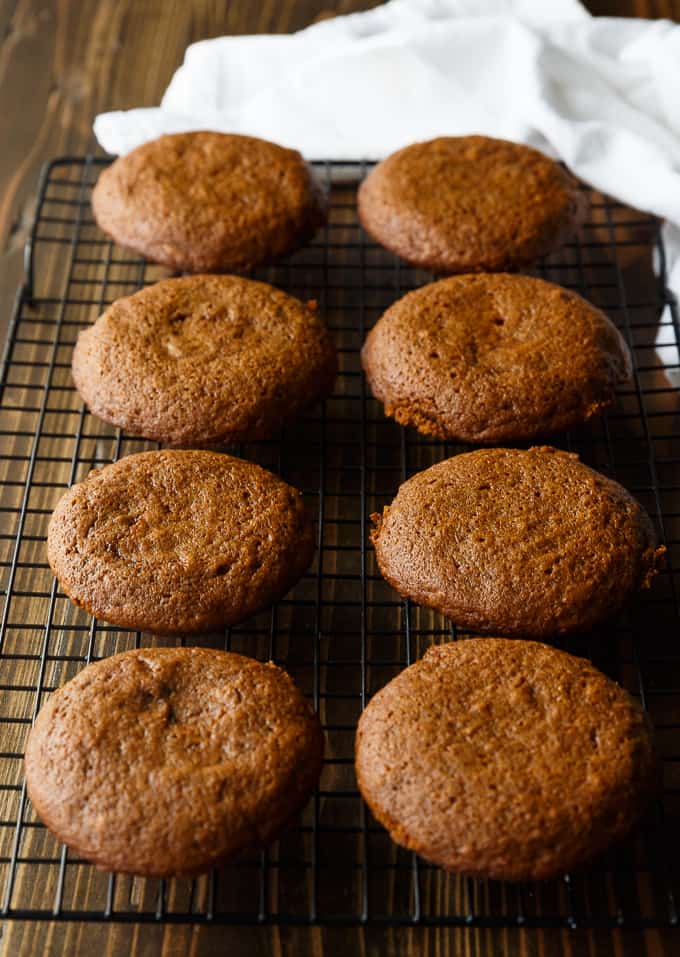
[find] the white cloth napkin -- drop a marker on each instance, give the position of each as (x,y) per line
(602,94)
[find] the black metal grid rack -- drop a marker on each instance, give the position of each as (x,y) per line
(341,632)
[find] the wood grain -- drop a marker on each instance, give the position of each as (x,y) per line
(27,940)
(61,62)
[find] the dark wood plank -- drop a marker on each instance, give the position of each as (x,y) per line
(29,939)
(635,8)
(61,62)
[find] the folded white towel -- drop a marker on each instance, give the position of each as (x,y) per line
(603,94)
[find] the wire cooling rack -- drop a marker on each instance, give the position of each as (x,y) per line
(342,632)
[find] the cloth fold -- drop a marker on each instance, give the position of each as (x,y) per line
(603,94)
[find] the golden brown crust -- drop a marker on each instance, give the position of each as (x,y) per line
(209,202)
(166,761)
(494,357)
(530,544)
(179,541)
(204,360)
(470,204)
(504,759)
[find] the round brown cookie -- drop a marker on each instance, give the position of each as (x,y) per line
(209,202)
(179,541)
(526,543)
(204,360)
(166,761)
(470,204)
(494,357)
(504,759)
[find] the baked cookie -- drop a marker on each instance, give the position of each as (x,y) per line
(494,357)
(166,761)
(470,204)
(504,759)
(523,543)
(204,360)
(209,202)
(179,541)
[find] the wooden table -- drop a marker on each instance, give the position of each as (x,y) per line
(61,63)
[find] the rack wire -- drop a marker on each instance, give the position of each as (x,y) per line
(342,632)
